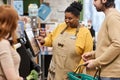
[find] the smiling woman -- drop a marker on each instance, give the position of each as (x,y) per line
(69,40)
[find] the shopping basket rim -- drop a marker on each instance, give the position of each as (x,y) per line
(73,76)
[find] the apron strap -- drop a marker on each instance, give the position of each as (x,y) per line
(77,30)
(63,30)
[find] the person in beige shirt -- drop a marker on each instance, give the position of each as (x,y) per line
(9,58)
(107,53)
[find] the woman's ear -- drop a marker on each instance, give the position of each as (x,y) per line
(78,18)
(104,1)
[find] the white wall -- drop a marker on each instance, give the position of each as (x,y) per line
(1,2)
(91,13)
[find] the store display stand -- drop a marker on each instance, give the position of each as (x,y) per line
(45,61)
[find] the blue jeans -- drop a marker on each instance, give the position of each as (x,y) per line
(104,78)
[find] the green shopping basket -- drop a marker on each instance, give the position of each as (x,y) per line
(82,76)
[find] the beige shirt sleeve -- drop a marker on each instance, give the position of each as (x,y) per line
(113,50)
(5,56)
(7,62)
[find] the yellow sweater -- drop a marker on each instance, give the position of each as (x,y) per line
(84,41)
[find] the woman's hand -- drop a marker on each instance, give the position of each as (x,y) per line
(42,33)
(90,64)
(41,36)
(87,56)
(40,39)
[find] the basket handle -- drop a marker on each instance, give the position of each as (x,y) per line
(97,73)
(79,67)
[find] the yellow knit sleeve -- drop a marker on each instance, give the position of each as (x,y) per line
(48,40)
(51,36)
(84,42)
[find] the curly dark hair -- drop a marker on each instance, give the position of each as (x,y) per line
(75,8)
(109,3)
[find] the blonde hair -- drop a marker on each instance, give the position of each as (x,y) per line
(8,22)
